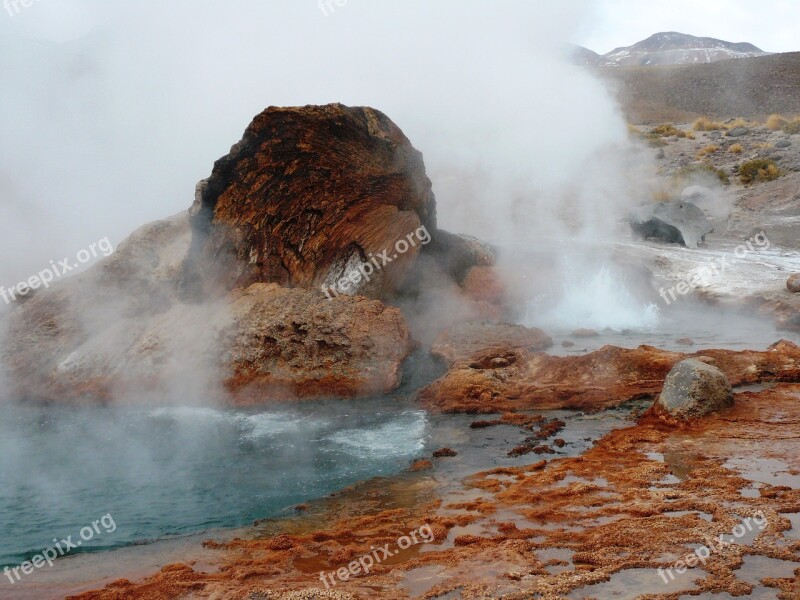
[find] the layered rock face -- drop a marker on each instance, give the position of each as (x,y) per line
(306,196)
(225,300)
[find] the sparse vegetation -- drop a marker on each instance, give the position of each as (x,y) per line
(763,146)
(738,122)
(690,135)
(668,130)
(710,149)
(792,127)
(776,122)
(706,124)
(736,149)
(698,170)
(665,130)
(654,140)
(761,169)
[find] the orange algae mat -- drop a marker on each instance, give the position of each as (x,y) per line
(599,525)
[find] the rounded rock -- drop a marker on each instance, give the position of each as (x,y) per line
(694,389)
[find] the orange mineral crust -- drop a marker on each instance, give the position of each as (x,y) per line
(628,514)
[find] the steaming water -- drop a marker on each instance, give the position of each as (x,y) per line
(174,471)
(598,300)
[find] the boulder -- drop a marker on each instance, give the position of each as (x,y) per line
(738,132)
(308,195)
(672,222)
(694,389)
(224,300)
(783,143)
(793,283)
(286,343)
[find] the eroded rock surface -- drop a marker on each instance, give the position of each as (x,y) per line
(307,195)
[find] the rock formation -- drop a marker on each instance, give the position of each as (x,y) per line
(226,300)
(694,389)
(499,379)
(672,222)
(305,197)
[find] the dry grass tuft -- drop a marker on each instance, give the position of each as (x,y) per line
(776,122)
(710,149)
(706,124)
(761,169)
(736,149)
(793,126)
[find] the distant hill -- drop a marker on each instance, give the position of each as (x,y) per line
(747,87)
(667,48)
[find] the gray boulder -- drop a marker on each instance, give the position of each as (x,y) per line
(672,222)
(694,389)
(784,143)
(738,132)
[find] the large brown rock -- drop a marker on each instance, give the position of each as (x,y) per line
(289,343)
(793,283)
(307,195)
(224,301)
(507,379)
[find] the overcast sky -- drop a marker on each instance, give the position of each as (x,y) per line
(112,110)
(772,25)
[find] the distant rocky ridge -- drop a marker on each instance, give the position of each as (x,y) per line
(667,48)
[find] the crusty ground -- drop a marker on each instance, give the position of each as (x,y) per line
(610,506)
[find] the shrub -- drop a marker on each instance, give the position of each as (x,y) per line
(693,170)
(792,127)
(710,149)
(665,130)
(706,124)
(776,122)
(736,149)
(761,169)
(738,122)
(690,135)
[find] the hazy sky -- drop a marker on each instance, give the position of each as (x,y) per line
(772,25)
(112,110)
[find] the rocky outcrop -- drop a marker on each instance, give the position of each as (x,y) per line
(793,283)
(694,389)
(306,196)
(289,343)
(672,222)
(224,300)
(118,332)
(507,379)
